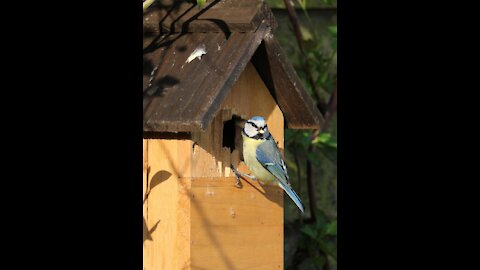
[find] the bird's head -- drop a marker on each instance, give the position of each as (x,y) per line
(256,128)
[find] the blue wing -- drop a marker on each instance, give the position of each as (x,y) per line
(269,156)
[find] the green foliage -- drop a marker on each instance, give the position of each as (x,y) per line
(322,232)
(201,3)
(314,245)
(325,140)
(320,239)
(333,30)
(303,4)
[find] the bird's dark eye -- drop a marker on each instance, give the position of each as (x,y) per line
(253,124)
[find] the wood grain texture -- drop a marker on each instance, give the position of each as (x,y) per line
(186,96)
(248,97)
(216,16)
(236,228)
(195,217)
(285,86)
(167,217)
(146,231)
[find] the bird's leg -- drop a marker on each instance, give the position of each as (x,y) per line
(239,174)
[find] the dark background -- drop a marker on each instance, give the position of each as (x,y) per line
(71,126)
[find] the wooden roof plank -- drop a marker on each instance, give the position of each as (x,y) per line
(217,16)
(235,67)
(285,86)
(201,90)
(165,109)
(181,96)
(170,107)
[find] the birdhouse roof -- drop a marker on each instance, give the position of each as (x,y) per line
(192,57)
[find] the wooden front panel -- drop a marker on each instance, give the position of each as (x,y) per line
(194,216)
(249,97)
(166,205)
(236,228)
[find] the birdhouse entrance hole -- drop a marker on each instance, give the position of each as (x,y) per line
(232,133)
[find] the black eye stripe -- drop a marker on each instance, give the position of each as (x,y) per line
(253,124)
(258,136)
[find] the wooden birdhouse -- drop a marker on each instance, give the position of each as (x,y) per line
(205,72)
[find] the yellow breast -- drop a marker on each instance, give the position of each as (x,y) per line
(249,156)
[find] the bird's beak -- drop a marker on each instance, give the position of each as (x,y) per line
(261,131)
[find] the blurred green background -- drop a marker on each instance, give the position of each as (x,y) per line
(311,239)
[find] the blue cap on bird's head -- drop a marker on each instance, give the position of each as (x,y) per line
(258,121)
(257,118)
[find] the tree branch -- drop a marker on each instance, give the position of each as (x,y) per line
(292,16)
(311,188)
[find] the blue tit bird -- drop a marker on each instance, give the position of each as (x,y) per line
(262,157)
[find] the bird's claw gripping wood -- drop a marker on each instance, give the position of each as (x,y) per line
(239,174)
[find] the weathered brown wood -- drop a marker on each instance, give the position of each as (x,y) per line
(175,79)
(186,96)
(181,96)
(281,79)
(167,135)
(216,16)
(239,57)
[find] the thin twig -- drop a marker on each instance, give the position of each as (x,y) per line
(311,187)
(292,15)
(331,109)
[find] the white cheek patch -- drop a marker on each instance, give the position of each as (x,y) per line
(250,130)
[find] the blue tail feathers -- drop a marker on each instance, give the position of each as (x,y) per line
(293,196)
